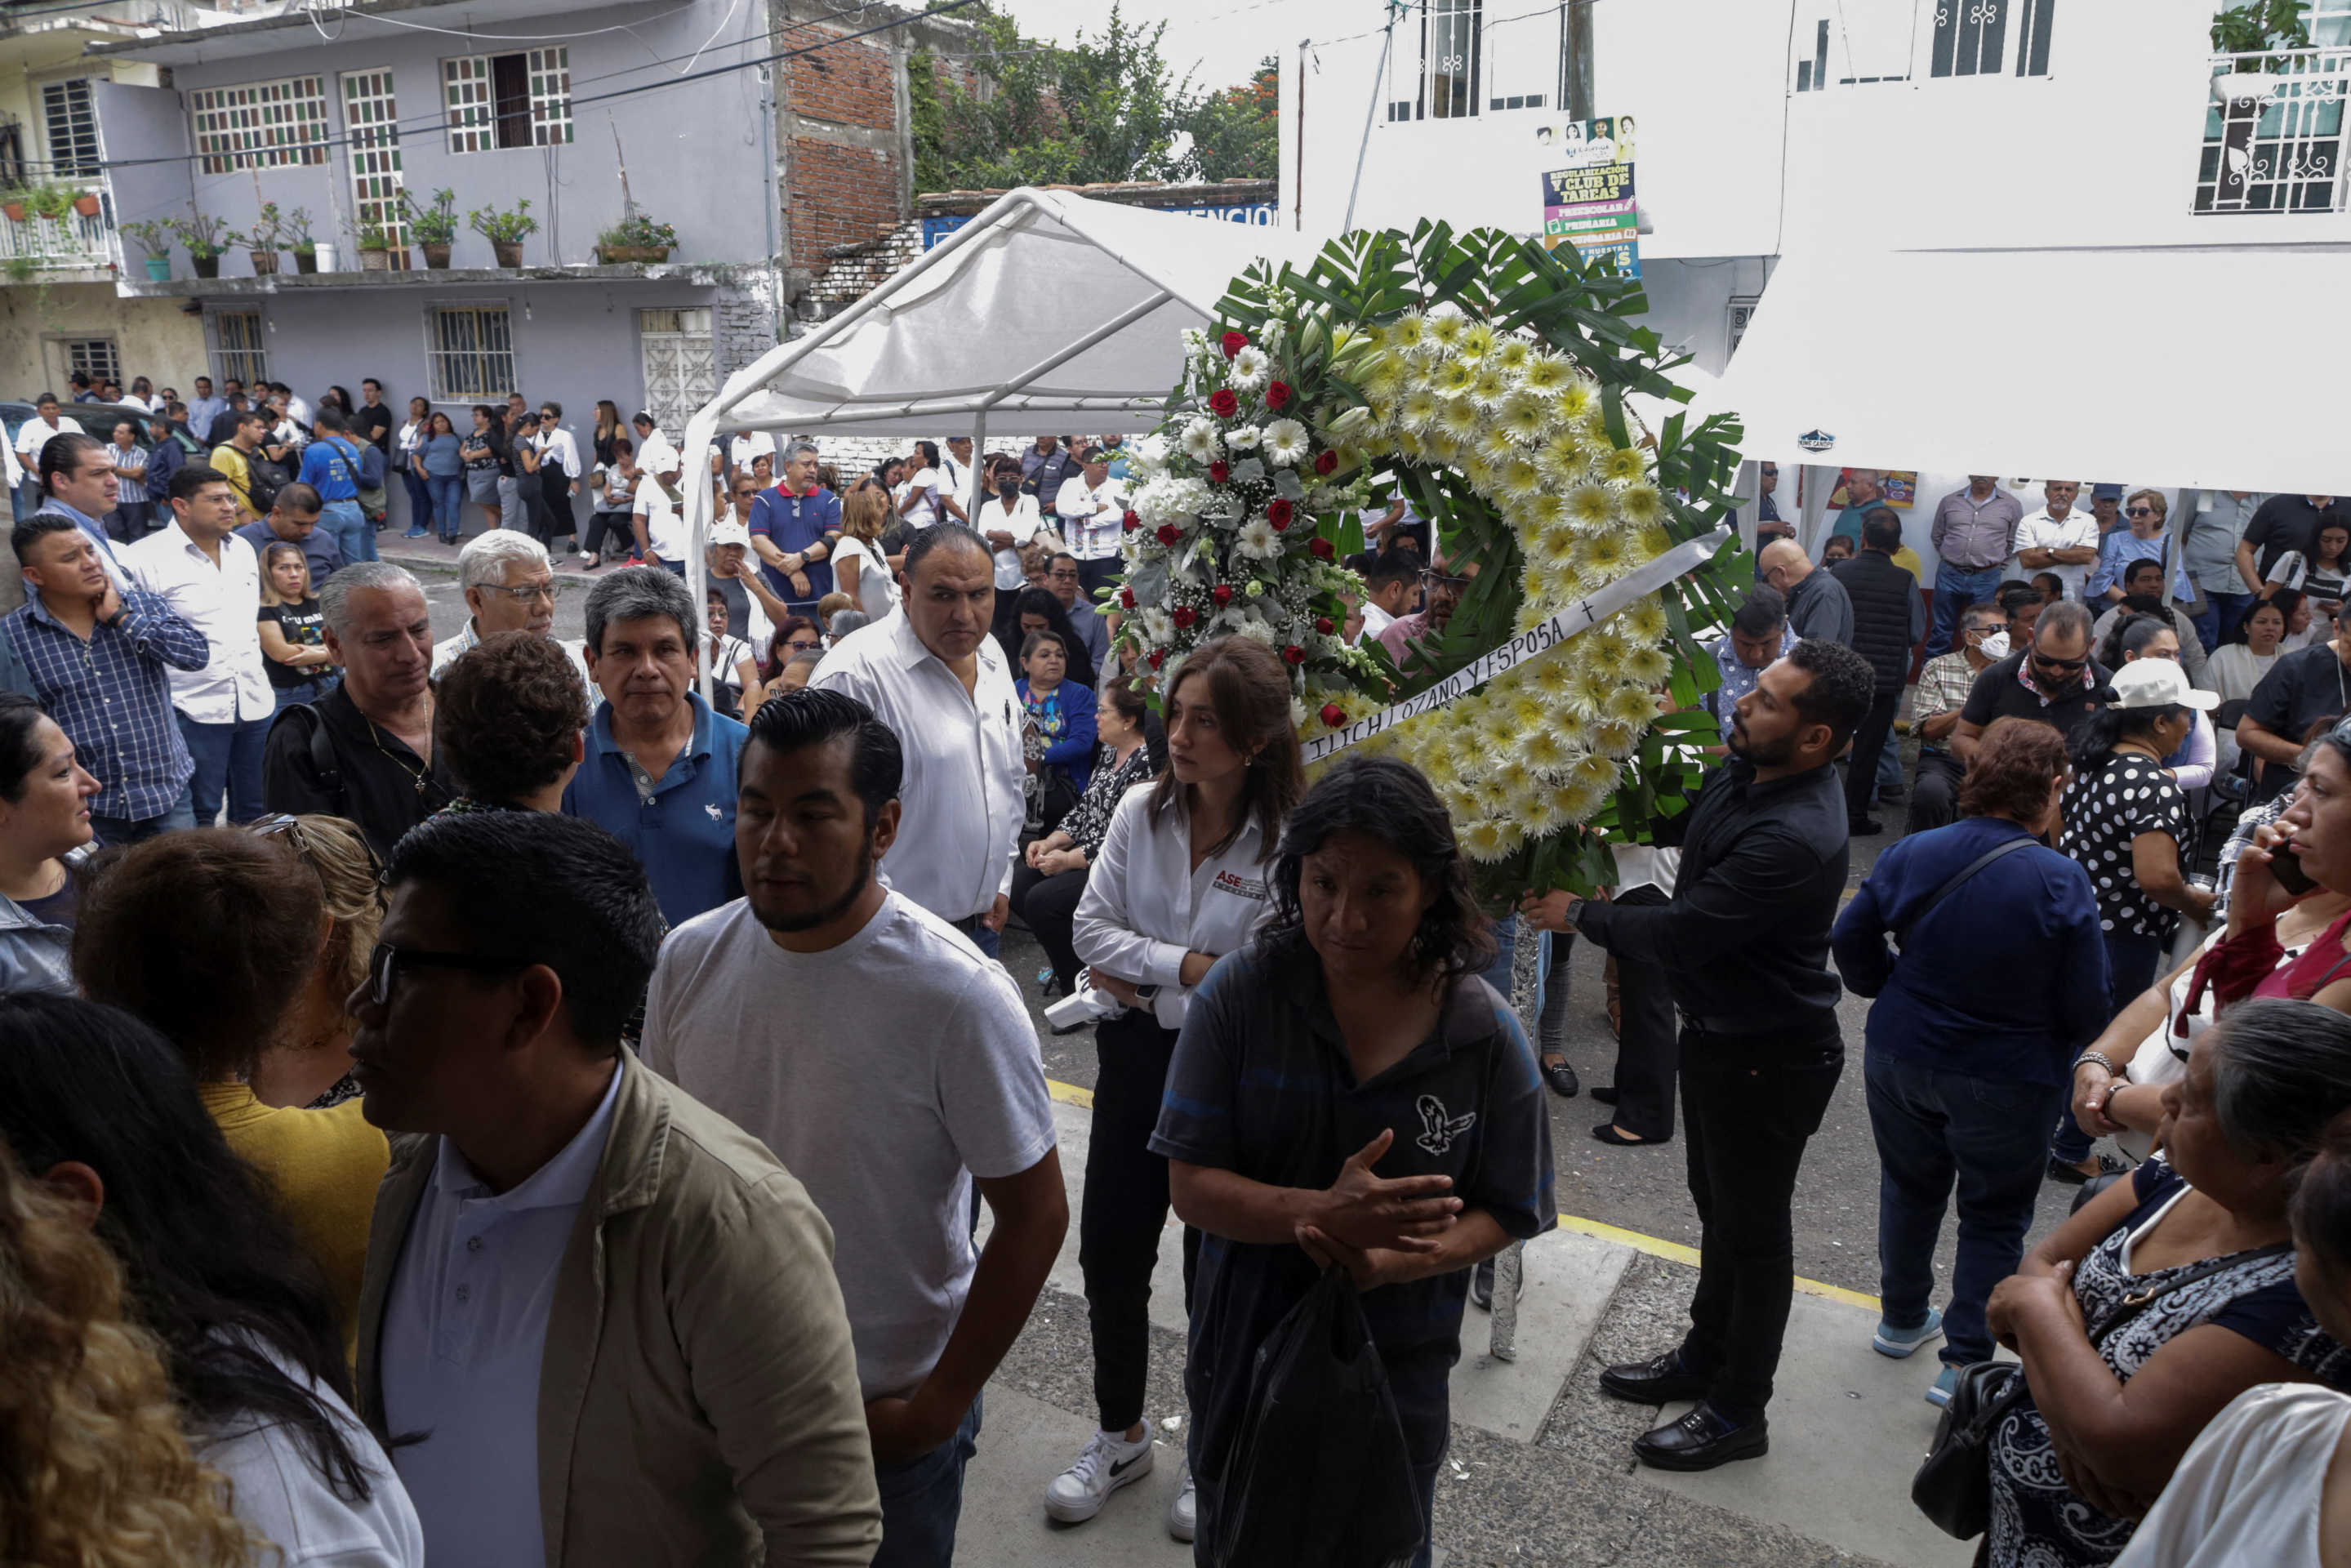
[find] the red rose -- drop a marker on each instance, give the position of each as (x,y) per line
(1320,548)
(1158,656)
(1233,343)
(1326,461)
(1276,396)
(1333,715)
(1222,593)
(1126,599)
(1131,522)
(1294,653)
(1183,616)
(1277,512)
(1223,403)
(1169,533)
(1220,471)
(1323,625)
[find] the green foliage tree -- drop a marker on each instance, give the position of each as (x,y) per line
(2259,25)
(1236,133)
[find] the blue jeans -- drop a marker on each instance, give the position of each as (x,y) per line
(118,830)
(1931,1126)
(2221,614)
(1889,765)
(448,493)
(308,692)
(921,1502)
(1505,947)
(2132,964)
(420,499)
(1956,587)
(989,942)
(353,534)
(228,764)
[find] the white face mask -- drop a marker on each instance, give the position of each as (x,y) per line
(1995,647)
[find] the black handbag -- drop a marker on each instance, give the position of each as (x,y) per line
(1953,1488)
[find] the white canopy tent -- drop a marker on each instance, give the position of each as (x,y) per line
(1044,307)
(2181,369)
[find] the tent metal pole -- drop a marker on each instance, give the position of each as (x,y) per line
(978,460)
(695,477)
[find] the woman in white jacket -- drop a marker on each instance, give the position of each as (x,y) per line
(1179,882)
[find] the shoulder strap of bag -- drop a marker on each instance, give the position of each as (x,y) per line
(2138,1302)
(1903,937)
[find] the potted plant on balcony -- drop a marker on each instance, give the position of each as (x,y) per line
(296,228)
(2241,36)
(264,241)
(434,226)
(375,249)
(54,201)
(636,237)
(154,238)
(17,202)
(205,238)
(504,231)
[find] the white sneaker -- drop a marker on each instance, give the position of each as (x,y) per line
(1110,1463)
(1183,1514)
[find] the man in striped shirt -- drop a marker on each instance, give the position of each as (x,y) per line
(97,656)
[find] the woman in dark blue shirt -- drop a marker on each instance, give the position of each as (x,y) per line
(1984,999)
(1347,1092)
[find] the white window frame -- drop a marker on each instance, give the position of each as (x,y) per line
(469,100)
(371,129)
(259,124)
(1452,43)
(485,372)
(246,361)
(79,157)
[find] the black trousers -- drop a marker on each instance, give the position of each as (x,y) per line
(1861,781)
(614,525)
(1049,907)
(1745,1128)
(1935,794)
(1123,1211)
(1648,1041)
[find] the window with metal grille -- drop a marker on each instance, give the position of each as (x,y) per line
(96,358)
(1449,45)
(508,100)
(237,352)
(680,363)
(261,125)
(371,124)
(468,353)
(1970,36)
(72,128)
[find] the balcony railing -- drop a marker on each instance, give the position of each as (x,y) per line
(2273,134)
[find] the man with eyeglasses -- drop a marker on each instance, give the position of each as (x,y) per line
(510,586)
(1942,691)
(1973,536)
(1442,587)
(1770,526)
(1818,606)
(609,1315)
(2053,682)
(1065,578)
(2057,538)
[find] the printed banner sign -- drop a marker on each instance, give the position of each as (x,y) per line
(1528,646)
(1589,203)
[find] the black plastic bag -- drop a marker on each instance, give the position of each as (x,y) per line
(1319,1476)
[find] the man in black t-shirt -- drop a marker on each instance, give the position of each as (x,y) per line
(2302,689)
(2053,681)
(371,421)
(2280,524)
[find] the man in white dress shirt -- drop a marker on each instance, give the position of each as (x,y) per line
(1093,509)
(932,673)
(509,586)
(212,579)
(35,433)
(2057,538)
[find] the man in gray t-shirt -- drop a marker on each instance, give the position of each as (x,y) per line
(888,1065)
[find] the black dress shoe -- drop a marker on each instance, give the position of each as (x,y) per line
(1891,793)
(1605,1096)
(1702,1441)
(1658,1381)
(1862,827)
(1561,1077)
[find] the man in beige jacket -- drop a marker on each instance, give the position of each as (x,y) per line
(599,1323)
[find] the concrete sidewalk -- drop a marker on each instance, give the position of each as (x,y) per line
(1540,1471)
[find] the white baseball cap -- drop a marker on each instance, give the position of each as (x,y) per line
(2157,682)
(730,533)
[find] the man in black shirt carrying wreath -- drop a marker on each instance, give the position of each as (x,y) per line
(1745,946)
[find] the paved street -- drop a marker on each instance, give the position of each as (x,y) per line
(1540,1471)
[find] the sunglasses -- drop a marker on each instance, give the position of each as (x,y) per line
(385,962)
(2138,511)
(2070,666)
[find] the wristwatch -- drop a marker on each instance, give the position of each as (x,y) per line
(1574,911)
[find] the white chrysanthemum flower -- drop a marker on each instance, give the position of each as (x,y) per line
(1591,505)
(1546,510)
(1256,629)
(1651,542)
(1201,442)
(1549,678)
(1547,545)
(1573,399)
(1242,437)
(1495,444)
(1546,372)
(1519,480)
(1419,410)
(1447,327)
(1588,693)
(1602,648)
(1491,387)
(1613,737)
(1486,841)
(1286,441)
(1643,506)
(1593,772)
(1406,331)
(1524,416)
(1388,375)
(1648,665)
(1258,540)
(1603,553)
(1576,801)
(1513,354)
(1250,370)
(1633,704)
(1564,583)
(1562,455)
(1459,419)
(1475,342)
(1455,377)
(1646,619)
(1539,813)
(1625,465)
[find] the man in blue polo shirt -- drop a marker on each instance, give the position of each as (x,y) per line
(659,766)
(795,528)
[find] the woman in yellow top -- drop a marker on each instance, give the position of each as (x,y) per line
(214,937)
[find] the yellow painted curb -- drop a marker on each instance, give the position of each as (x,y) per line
(1674,1251)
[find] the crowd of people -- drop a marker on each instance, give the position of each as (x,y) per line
(487,1101)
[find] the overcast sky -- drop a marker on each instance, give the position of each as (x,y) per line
(1217,42)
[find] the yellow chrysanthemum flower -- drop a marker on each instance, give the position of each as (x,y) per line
(1525,416)
(1486,841)
(1603,553)
(1649,543)
(1564,583)
(1593,772)
(1648,665)
(1633,704)
(1447,328)
(1591,505)
(1574,400)
(1419,409)
(1542,747)
(1495,444)
(1491,387)
(1475,342)
(1577,802)
(1453,377)
(1551,545)
(1643,506)
(1624,463)
(1407,330)
(1460,420)
(1551,677)
(1646,619)
(1544,511)
(1545,372)
(1513,354)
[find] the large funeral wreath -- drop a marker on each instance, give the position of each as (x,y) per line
(1483,378)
